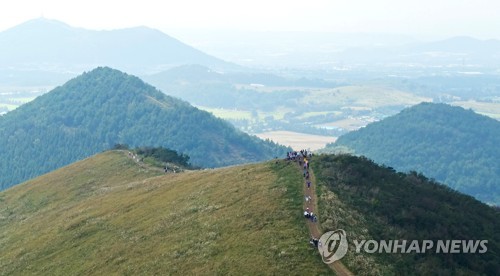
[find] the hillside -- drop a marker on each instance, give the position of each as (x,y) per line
(107,215)
(104,107)
(371,202)
(110,214)
(450,144)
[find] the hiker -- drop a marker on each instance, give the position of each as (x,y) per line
(314,242)
(307,215)
(308,184)
(307,199)
(313,217)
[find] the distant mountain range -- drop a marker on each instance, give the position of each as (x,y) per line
(466,53)
(344,52)
(455,146)
(104,107)
(44,45)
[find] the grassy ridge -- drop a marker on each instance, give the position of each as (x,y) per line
(108,215)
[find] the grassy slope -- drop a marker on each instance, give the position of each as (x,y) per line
(107,215)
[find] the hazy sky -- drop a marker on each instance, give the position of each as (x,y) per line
(439,18)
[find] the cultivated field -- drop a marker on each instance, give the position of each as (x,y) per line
(296,140)
(486,108)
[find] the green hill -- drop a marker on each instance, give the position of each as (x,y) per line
(104,107)
(371,202)
(108,215)
(450,144)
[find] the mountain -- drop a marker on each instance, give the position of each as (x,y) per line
(455,146)
(53,46)
(375,203)
(458,54)
(108,215)
(104,107)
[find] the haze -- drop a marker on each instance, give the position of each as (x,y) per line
(426,18)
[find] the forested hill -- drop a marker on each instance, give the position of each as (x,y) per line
(371,202)
(104,107)
(450,144)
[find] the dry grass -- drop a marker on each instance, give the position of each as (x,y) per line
(106,215)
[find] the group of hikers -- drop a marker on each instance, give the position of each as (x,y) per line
(303,158)
(294,155)
(139,159)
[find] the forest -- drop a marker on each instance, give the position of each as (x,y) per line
(104,107)
(450,144)
(374,202)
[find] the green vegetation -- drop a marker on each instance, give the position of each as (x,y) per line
(108,215)
(104,107)
(164,155)
(373,202)
(455,146)
(259,103)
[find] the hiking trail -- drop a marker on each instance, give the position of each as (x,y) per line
(314,228)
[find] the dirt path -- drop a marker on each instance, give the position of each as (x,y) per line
(314,228)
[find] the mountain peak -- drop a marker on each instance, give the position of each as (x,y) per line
(104,107)
(40,24)
(43,41)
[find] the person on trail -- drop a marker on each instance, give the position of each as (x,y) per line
(313,217)
(308,184)
(314,242)
(306,214)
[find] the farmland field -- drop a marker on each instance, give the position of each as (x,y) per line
(297,140)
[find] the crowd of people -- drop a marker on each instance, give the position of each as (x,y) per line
(303,158)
